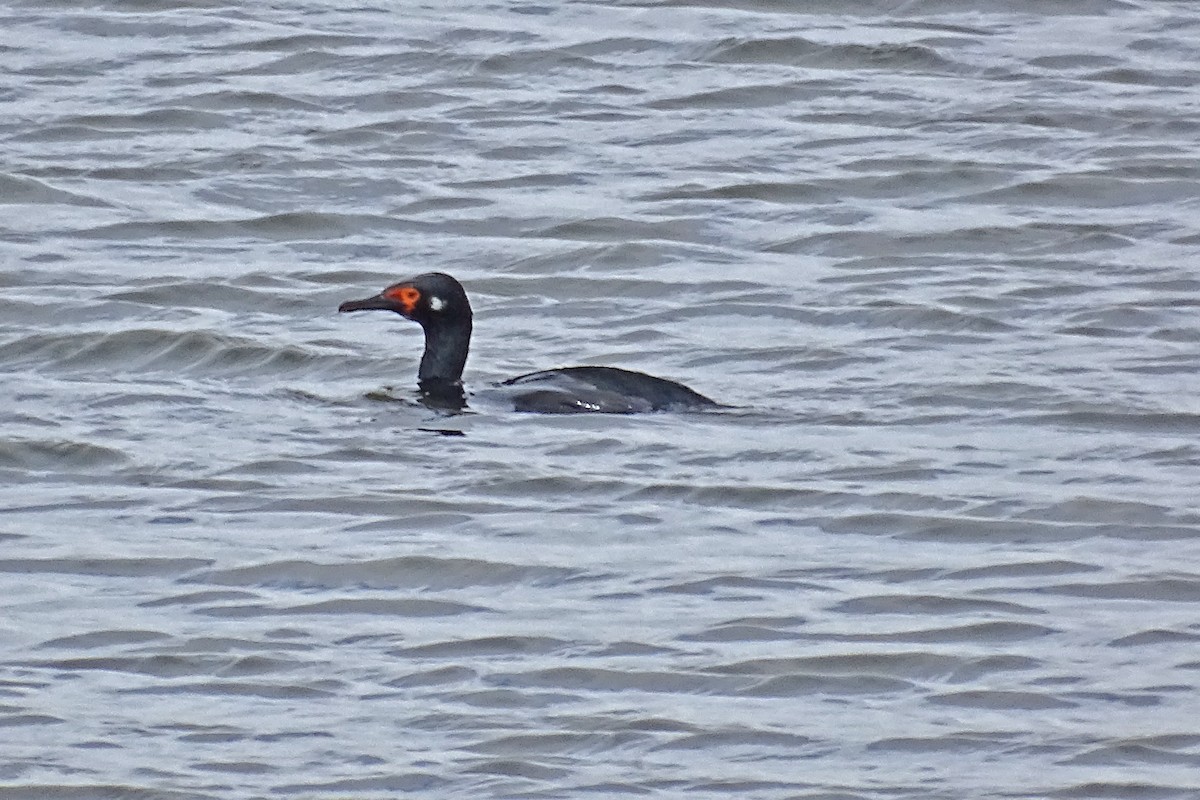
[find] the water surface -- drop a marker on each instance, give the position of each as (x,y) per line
(940,260)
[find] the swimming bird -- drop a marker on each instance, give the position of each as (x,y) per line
(439,304)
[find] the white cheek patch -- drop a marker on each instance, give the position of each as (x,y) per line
(437,303)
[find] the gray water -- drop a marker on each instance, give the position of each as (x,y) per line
(940,260)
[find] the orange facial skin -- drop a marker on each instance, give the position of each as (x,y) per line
(406,297)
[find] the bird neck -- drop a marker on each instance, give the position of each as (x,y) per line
(446,346)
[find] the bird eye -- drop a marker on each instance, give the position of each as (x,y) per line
(437,303)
